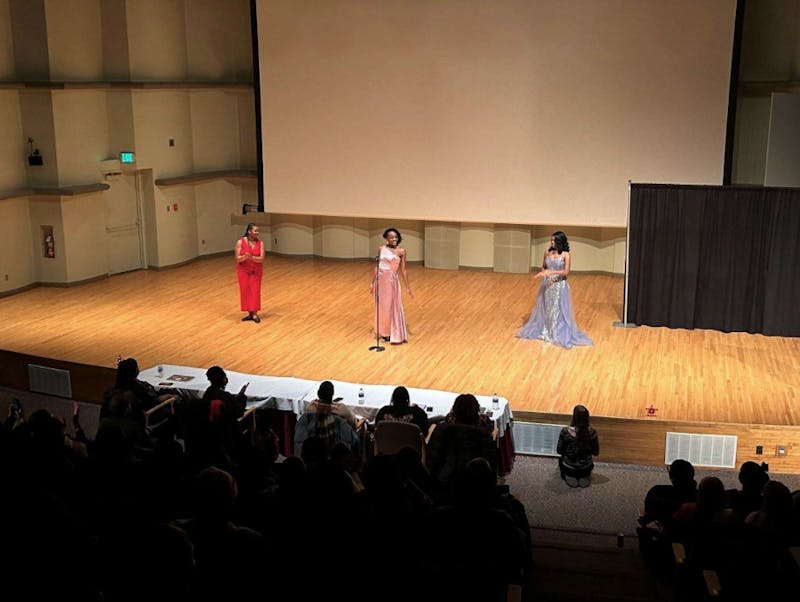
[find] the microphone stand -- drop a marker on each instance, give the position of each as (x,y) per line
(377,346)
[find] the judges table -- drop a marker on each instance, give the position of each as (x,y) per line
(294,394)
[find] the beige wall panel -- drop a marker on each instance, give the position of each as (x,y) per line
(29,35)
(80,119)
(157,40)
(412,231)
(12,142)
(215,130)
(121,135)
(362,238)
(85,236)
(769,41)
(591,249)
(16,260)
(177,229)
(157,117)
(247,130)
(442,245)
(293,234)
(476,246)
(7,68)
(335,237)
(47,211)
(239,221)
(150,222)
(216,201)
(588,251)
(750,142)
(619,244)
(37,122)
(116,58)
(75,40)
(512,249)
(218,40)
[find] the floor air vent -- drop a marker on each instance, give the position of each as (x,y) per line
(536,439)
(49,381)
(718,451)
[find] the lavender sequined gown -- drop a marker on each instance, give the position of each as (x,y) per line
(552,318)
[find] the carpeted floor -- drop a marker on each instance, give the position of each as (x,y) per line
(611,503)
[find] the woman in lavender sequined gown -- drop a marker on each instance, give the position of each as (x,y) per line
(552,318)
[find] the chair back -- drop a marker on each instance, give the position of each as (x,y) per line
(391,436)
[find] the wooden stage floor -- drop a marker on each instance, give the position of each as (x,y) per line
(317,324)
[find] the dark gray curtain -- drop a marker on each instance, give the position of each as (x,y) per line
(719,257)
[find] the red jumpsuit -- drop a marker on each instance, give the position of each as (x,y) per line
(249,274)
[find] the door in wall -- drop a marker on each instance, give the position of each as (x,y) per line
(123,224)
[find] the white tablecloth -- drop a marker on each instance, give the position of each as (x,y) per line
(293,394)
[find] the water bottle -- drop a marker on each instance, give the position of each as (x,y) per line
(361,396)
(160,371)
(495,402)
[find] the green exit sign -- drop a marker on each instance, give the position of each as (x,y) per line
(127,157)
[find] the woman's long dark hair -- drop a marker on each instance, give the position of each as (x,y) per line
(249,227)
(466,410)
(580,421)
(560,242)
(401,398)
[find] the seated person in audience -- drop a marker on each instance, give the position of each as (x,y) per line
(707,515)
(145,396)
(483,420)
(753,477)
(453,444)
(221,403)
(662,501)
(227,555)
(210,423)
(773,521)
(475,547)
(336,407)
(401,410)
(120,414)
(224,408)
(577,443)
(795,534)
(323,424)
(660,504)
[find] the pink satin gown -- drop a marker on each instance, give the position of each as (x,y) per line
(389,301)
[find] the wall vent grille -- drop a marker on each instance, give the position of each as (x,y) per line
(536,439)
(50,381)
(718,451)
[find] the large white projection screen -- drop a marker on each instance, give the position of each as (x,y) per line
(499,111)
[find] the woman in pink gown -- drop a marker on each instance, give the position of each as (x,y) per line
(249,268)
(390,320)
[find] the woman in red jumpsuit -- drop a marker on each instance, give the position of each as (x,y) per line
(249,267)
